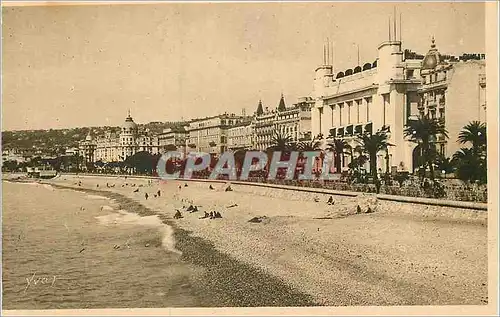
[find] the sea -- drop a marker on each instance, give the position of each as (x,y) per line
(64,249)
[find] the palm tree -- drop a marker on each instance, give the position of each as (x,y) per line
(474,133)
(424,132)
(309,146)
(339,147)
(372,144)
(445,164)
(281,142)
(471,163)
(469,166)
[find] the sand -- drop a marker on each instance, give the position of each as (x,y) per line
(401,254)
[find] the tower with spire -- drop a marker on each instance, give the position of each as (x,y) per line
(260,110)
(281,105)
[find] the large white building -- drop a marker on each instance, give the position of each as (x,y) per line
(398,86)
(210,135)
(240,136)
(113,147)
(173,138)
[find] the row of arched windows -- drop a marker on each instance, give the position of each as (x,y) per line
(357,69)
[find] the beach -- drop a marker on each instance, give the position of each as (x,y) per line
(81,249)
(400,254)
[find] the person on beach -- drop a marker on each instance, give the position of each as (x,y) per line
(136,191)
(207,215)
(211,215)
(180,187)
(229,189)
(159,193)
(177,215)
(185,185)
(146,196)
(331,201)
(97,185)
(210,187)
(217,215)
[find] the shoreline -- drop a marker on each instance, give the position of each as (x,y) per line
(223,273)
(346,260)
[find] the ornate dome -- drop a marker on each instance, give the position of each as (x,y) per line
(129,123)
(89,137)
(433,58)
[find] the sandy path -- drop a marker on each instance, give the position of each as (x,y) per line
(391,257)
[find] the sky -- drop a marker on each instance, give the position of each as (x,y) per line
(74,66)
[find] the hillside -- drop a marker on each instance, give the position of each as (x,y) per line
(53,139)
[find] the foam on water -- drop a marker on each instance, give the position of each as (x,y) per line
(49,187)
(96,197)
(122,217)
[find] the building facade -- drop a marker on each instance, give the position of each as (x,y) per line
(397,87)
(210,135)
(294,121)
(240,136)
(115,147)
(173,138)
(453,90)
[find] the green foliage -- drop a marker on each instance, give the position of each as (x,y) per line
(339,147)
(471,164)
(372,144)
(424,132)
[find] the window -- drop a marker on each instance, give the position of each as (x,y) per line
(409,74)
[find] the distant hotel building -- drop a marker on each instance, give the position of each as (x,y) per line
(240,136)
(454,91)
(294,121)
(114,147)
(390,91)
(210,135)
(173,138)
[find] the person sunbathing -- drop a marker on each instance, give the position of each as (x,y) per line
(229,189)
(211,215)
(136,191)
(177,215)
(190,208)
(210,187)
(207,215)
(217,215)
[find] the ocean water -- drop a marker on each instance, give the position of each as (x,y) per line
(65,249)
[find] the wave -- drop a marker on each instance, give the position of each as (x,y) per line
(122,217)
(97,197)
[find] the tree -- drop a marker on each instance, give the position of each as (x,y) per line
(471,162)
(424,132)
(444,164)
(309,146)
(339,147)
(170,147)
(372,144)
(475,134)
(470,167)
(281,142)
(142,162)
(9,166)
